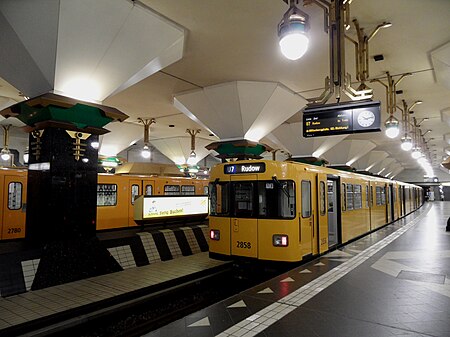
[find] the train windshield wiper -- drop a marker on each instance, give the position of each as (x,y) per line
(281,186)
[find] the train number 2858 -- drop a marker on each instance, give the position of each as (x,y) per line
(243,244)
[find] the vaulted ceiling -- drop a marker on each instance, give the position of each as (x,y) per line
(219,62)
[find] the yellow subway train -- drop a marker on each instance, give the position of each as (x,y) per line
(288,211)
(115,198)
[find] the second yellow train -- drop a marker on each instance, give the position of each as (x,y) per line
(115,198)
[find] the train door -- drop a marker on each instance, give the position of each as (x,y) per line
(333,211)
(134,190)
(244,222)
(13,215)
(307,225)
(322,212)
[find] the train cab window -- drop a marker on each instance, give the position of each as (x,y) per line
(357,196)
(349,197)
(243,193)
(276,199)
(367,196)
(219,198)
(322,200)
(171,190)
(205,190)
(187,190)
(344,198)
(106,194)
(14,195)
(134,193)
(306,199)
(148,189)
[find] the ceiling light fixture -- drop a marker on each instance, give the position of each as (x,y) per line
(145,153)
(192,160)
(292,31)
(406,143)
(5,154)
(392,127)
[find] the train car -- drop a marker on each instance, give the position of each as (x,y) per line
(286,211)
(115,198)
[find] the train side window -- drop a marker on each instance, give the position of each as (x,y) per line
(219,198)
(378,198)
(205,190)
(344,198)
(187,190)
(383,195)
(276,199)
(371,196)
(322,198)
(367,196)
(14,195)
(330,193)
(357,196)
(134,193)
(106,194)
(306,198)
(148,189)
(171,190)
(349,197)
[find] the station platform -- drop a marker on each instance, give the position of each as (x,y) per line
(60,306)
(393,282)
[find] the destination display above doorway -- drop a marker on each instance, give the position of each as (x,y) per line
(341,118)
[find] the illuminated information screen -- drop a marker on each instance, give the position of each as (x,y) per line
(167,206)
(344,118)
(244,168)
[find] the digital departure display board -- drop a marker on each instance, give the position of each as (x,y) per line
(341,118)
(244,168)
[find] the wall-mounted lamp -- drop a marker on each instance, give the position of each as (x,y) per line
(292,31)
(145,152)
(5,154)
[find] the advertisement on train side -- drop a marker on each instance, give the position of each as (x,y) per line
(161,207)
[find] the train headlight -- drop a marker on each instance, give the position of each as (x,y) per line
(280,240)
(214,234)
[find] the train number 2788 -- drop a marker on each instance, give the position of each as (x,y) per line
(243,244)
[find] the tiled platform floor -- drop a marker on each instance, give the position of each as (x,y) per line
(394,282)
(38,304)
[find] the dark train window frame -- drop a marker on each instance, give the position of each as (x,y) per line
(133,195)
(245,213)
(10,206)
(151,189)
(344,197)
(357,196)
(291,198)
(113,192)
(213,196)
(322,198)
(166,192)
(367,196)
(308,183)
(191,192)
(350,197)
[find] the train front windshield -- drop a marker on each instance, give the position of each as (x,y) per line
(272,199)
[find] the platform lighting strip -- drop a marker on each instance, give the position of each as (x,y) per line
(264,318)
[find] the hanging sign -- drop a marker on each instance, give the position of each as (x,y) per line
(341,118)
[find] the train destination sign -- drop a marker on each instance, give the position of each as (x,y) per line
(244,168)
(341,118)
